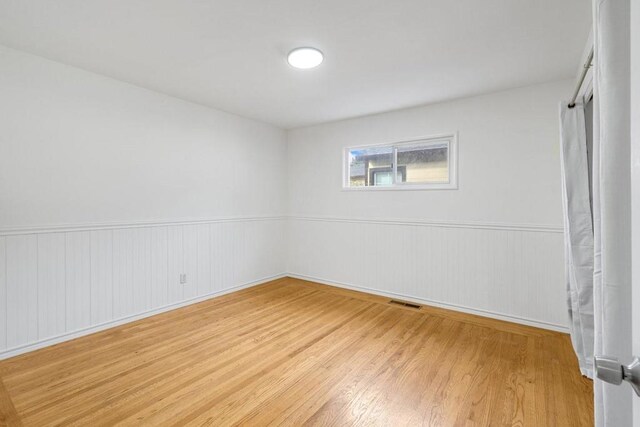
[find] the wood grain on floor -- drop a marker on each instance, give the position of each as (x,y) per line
(291,352)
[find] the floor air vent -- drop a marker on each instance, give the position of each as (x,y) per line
(405,304)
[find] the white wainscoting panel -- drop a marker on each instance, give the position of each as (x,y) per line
(22,290)
(506,271)
(102,276)
(61,283)
(3,293)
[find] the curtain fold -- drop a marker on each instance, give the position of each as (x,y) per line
(578,233)
(612,203)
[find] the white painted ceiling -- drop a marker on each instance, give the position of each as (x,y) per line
(379,54)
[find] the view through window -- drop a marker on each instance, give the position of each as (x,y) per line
(416,164)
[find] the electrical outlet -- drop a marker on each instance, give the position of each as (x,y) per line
(183,278)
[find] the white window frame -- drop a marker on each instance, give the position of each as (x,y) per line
(451,139)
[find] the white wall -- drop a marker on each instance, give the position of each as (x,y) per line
(108,192)
(493,246)
(508,160)
(77,147)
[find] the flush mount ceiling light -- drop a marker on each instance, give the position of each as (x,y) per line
(305,57)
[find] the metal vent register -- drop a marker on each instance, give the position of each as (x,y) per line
(405,304)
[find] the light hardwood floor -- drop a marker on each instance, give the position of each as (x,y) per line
(291,352)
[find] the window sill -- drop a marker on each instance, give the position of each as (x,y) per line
(405,188)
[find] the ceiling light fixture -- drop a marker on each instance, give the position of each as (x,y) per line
(305,57)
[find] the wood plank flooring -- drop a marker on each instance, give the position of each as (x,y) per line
(292,352)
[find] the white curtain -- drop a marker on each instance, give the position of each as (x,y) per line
(612,204)
(578,232)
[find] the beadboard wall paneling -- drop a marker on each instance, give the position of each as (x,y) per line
(56,285)
(513,272)
(3,293)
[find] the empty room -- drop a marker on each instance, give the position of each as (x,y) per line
(327,213)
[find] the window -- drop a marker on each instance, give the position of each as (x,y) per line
(428,163)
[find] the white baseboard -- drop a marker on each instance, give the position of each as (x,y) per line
(127,319)
(440,304)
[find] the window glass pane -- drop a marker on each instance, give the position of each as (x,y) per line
(370,167)
(420,164)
